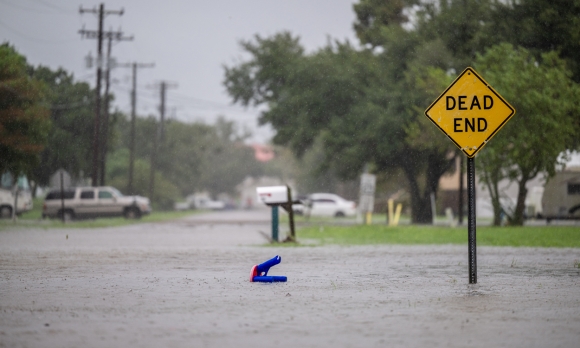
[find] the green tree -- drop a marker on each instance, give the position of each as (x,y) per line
(541,26)
(171,167)
(374,17)
(463,27)
(166,192)
(181,156)
(192,157)
(24,121)
(227,159)
(545,98)
(71,113)
(365,105)
(466,28)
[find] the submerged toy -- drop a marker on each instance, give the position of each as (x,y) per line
(259,272)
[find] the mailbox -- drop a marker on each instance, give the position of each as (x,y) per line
(273,194)
(278,196)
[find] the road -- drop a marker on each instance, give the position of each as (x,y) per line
(185,284)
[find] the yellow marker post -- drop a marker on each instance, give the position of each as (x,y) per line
(390,211)
(397,214)
(369,218)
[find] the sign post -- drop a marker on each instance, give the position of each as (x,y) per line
(471,238)
(470,112)
(367,197)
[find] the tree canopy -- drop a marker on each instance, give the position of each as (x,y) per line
(362,105)
(24,121)
(192,157)
(365,104)
(71,113)
(545,97)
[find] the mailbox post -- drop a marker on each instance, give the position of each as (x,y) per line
(274,197)
(275,223)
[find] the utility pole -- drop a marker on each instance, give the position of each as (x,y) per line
(105,121)
(134,66)
(159,134)
(99,36)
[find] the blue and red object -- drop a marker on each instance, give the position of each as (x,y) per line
(259,272)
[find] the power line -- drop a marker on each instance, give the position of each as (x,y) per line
(47,4)
(189,103)
(176,96)
(40,41)
(199,100)
(30,9)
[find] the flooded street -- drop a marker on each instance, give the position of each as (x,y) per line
(185,284)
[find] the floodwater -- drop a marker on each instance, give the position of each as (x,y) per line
(185,284)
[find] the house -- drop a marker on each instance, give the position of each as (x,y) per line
(556,197)
(448,194)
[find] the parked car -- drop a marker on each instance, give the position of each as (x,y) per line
(83,202)
(326,204)
(202,200)
(299,208)
(210,204)
(8,192)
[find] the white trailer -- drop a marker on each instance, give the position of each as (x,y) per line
(561,199)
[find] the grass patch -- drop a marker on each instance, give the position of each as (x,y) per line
(35,212)
(34,220)
(377,219)
(302,243)
(530,236)
(284,219)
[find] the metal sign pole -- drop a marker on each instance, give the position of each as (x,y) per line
(471,220)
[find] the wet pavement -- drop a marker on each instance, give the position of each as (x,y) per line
(185,284)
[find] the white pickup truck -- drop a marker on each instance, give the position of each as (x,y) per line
(8,196)
(86,202)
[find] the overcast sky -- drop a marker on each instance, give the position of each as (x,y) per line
(189,42)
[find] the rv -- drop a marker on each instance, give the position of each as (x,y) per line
(561,199)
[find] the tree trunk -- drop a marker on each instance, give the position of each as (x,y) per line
(518,217)
(491,181)
(491,177)
(422,213)
(420,207)
(437,165)
(33,188)
(495,203)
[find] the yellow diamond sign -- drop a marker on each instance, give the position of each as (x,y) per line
(470,112)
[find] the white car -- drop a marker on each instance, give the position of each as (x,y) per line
(328,204)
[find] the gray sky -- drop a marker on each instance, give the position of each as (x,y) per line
(189,41)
